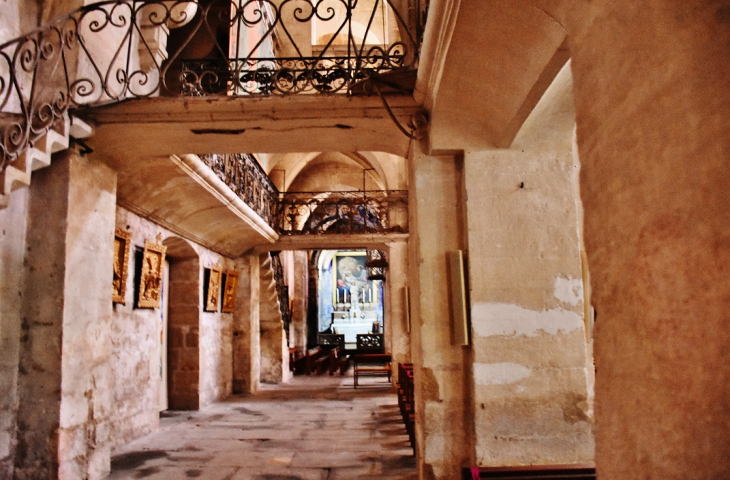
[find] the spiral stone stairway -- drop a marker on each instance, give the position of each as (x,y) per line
(18,175)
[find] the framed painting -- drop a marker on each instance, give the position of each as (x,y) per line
(229,292)
(150,282)
(213,288)
(122,240)
(350,278)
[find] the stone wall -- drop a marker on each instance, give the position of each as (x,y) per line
(528,338)
(136,337)
(64,374)
(13,220)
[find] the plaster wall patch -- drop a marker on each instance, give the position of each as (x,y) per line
(569,290)
(499,373)
(490,319)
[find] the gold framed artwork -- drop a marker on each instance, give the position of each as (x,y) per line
(150,283)
(214,289)
(122,240)
(229,292)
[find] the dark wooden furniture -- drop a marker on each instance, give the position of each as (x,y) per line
(297,360)
(330,340)
(406,400)
(371,365)
(313,354)
(370,343)
(533,472)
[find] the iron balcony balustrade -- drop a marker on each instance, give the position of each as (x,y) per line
(356,212)
(115,50)
(307,213)
(242,173)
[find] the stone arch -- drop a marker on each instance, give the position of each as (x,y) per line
(184,307)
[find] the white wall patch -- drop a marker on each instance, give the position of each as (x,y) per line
(489,319)
(569,290)
(499,373)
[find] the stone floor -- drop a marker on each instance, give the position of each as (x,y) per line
(314,428)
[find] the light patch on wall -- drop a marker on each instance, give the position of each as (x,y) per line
(569,290)
(499,373)
(490,319)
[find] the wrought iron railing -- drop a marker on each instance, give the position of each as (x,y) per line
(303,213)
(245,177)
(120,49)
(282,291)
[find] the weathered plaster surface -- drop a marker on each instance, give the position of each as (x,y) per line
(136,337)
(653,112)
(509,319)
(443,434)
(13,221)
(529,373)
(246,327)
(65,370)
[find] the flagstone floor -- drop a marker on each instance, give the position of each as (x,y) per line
(313,428)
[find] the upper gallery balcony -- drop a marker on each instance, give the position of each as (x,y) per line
(116,50)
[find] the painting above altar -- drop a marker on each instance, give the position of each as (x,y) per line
(349,302)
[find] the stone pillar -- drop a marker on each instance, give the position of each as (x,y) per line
(274,352)
(183,354)
(653,115)
(526,290)
(12,251)
(298,293)
(443,427)
(65,378)
(246,337)
(397,336)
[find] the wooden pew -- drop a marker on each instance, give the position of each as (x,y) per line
(313,354)
(372,365)
(406,400)
(533,472)
(297,360)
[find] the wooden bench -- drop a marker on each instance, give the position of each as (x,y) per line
(313,354)
(533,472)
(297,360)
(372,365)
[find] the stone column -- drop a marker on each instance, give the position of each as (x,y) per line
(298,293)
(246,336)
(185,309)
(12,280)
(397,336)
(443,428)
(65,379)
(526,290)
(653,115)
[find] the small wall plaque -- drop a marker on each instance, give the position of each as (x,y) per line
(214,289)
(150,285)
(229,292)
(122,240)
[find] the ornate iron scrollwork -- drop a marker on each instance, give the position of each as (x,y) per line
(245,177)
(304,213)
(119,49)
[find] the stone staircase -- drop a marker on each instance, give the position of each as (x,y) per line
(18,175)
(274,349)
